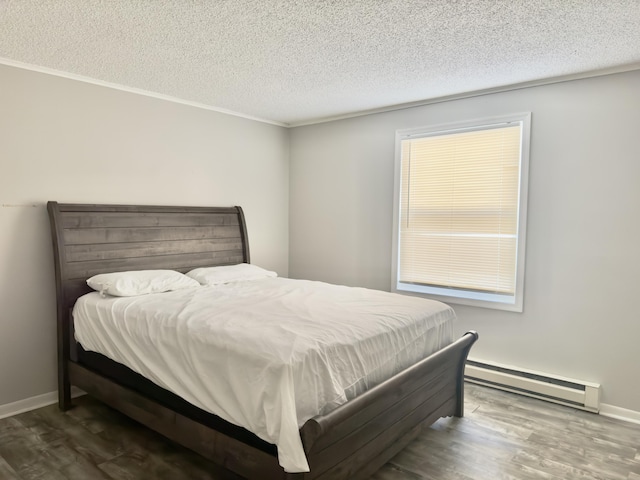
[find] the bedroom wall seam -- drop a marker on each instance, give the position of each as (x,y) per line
(33,403)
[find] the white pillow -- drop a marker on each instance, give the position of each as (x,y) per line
(229,273)
(140,282)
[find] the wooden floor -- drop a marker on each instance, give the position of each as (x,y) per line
(502,436)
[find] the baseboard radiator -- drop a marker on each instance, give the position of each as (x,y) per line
(565,391)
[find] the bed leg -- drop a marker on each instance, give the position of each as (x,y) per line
(64,392)
(64,400)
(459,410)
(64,337)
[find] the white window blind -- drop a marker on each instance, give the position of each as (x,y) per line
(459,211)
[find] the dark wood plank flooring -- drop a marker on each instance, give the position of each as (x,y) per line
(502,436)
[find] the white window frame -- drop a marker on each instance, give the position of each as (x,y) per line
(457,296)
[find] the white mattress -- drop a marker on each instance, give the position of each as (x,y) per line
(265,354)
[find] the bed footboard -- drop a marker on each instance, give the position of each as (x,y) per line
(356,439)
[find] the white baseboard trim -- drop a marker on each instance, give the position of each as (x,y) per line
(39,401)
(618,413)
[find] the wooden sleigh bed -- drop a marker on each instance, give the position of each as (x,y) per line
(350,442)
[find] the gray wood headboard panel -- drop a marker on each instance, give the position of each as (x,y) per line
(92,239)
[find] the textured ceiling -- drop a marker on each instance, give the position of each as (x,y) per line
(299,61)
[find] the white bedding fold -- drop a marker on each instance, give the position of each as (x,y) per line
(265,354)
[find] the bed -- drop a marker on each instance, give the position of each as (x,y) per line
(350,441)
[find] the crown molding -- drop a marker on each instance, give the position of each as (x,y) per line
(476,93)
(137,91)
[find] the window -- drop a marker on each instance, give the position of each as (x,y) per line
(460,211)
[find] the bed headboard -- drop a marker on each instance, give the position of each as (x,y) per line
(92,239)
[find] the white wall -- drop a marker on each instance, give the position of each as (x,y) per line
(581,316)
(75,142)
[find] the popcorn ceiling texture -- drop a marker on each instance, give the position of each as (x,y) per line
(302,60)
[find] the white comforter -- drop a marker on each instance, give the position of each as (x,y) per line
(265,354)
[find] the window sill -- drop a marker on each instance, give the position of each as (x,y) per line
(462,297)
